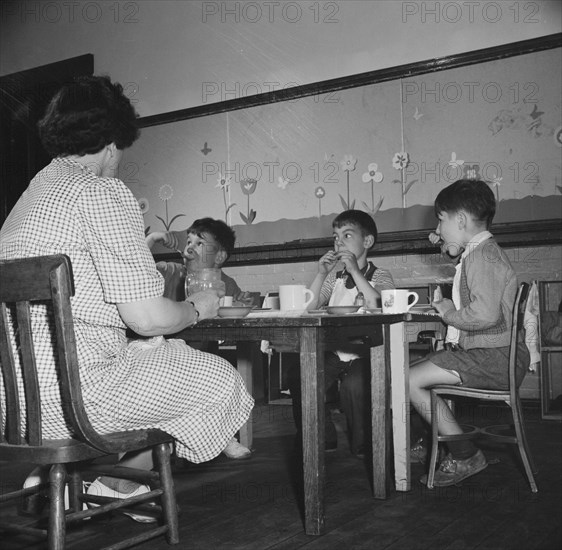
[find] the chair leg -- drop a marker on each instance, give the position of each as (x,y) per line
(169,506)
(434,442)
(523,446)
(57,526)
(75,489)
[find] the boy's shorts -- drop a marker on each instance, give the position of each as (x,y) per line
(482,367)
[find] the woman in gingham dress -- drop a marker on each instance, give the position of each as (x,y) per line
(76,207)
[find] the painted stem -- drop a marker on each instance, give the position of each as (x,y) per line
(372,195)
(348,203)
(403,189)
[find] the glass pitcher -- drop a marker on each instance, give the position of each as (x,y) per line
(208,278)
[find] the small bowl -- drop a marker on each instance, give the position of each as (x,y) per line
(234,311)
(341,310)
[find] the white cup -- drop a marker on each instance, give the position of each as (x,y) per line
(271,300)
(294,297)
(226,301)
(397,300)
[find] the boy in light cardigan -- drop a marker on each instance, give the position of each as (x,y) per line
(484,292)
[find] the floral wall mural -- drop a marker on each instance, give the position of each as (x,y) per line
(284,170)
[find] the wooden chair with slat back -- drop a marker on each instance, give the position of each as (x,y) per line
(48,279)
(509,396)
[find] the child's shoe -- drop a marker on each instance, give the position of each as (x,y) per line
(452,471)
(418,452)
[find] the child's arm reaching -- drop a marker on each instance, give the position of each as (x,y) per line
(169,240)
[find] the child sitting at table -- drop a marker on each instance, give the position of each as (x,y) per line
(484,290)
(355,234)
(207,243)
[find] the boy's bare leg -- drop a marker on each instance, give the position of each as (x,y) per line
(423,376)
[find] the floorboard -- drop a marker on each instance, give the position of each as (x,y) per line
(256,504)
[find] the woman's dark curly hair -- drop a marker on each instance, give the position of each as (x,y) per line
(85,116)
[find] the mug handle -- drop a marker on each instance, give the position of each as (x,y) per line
(415,295)
(311,294)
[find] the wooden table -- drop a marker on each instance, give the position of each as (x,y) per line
(310,335)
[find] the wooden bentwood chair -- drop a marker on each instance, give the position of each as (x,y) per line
(49,279)
(510,396)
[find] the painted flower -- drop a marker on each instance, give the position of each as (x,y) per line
(496,182)
(248,185)
(372,174)
(320,192)
(400,160)
(454,161)
(144,205)
(348,163)
(166,192)
(223,182)
(282,183)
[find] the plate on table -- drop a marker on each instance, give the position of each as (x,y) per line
(341,310)
(234,311)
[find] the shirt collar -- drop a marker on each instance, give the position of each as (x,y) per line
(475,241)
(367,271)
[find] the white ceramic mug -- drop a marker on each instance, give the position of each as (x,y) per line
(271,300)
(397,300)
(294,297)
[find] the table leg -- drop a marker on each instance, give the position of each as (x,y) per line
(312,389)
(244,352)
(380,416)
(400,398)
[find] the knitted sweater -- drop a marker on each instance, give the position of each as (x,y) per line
(488,287)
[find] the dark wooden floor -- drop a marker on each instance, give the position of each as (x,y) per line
(256,504)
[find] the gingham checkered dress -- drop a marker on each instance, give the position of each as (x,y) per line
(198,398)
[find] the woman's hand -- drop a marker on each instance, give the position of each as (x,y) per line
(206,303)
(327,262)
(244,299)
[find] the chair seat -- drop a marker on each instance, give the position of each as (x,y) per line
(65,451)
(479,393)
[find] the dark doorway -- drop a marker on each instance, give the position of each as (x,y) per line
(23,98)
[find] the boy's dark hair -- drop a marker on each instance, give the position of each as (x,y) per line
(220,231)
(472,196)
(85,116)
(360,219)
